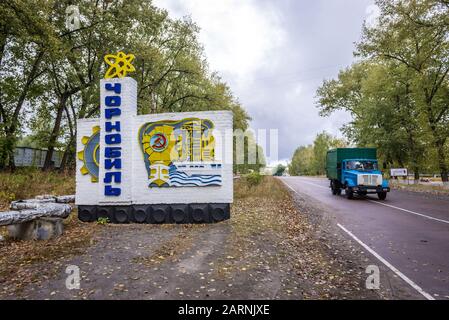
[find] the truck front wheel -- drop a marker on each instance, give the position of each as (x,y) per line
(382,195)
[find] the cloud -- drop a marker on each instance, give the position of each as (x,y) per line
(238,36)
(275,54)
(372,15)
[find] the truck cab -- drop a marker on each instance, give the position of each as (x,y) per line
(362,176)
(355,170)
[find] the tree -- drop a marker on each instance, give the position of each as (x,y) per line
(311,160)
(301,163)
(50,74)
(24,36)
(280,170)
(248,155)
(323,143)
(383,109)
(415,34)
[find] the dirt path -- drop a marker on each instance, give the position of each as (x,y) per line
(268,250)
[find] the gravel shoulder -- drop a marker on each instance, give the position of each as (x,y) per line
(274,247)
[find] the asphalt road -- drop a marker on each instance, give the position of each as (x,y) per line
(408,233)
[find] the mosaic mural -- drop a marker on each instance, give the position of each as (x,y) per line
(180,153)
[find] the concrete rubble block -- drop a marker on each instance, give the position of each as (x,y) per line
(33,203)
(45,197)
(29,203)
(65,199)
(31,211)
(38,229)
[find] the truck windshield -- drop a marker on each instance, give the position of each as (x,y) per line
(361,165)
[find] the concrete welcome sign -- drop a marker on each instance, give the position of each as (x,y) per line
(157,168)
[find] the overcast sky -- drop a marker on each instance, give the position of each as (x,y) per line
(274,54)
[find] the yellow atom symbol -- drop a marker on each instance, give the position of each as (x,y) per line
(119,65)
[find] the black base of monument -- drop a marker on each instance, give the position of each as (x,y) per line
(157,214)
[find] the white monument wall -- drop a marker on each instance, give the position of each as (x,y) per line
(134,185)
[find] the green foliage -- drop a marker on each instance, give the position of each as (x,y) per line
(103,221)
(248,155)
(27,183)
(253,179)
(398,93)
(49,75)
(280,170)
(301,163)
(311,160)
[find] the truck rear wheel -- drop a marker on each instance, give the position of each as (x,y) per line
(382,195)
(336,190)
(349,193)
(333,189)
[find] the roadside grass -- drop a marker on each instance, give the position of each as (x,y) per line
(421,188)
(30,182)
(268,187)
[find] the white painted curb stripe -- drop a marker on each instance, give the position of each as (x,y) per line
(389,265)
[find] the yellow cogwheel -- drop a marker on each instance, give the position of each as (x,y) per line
(90,154)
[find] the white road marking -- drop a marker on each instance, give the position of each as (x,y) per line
(374,253)
(388,205)
(389,265)
(289,186)
(409,211)
(313,184)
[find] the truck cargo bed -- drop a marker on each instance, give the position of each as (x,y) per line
(336,156)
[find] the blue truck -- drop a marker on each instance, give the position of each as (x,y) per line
(355,170)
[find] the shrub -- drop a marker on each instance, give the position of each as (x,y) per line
(253,179)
